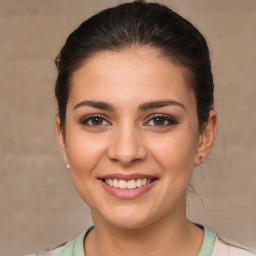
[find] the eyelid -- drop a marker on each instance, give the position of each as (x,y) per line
(85,119)
(171,119)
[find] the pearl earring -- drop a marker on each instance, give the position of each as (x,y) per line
(68,166)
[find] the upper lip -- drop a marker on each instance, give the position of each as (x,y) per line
(133,176)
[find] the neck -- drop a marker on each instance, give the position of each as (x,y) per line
(171,235)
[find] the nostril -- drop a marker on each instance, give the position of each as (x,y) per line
(127,146)
(126,157)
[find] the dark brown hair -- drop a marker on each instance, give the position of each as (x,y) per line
(139,24)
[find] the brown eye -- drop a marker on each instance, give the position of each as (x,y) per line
(95,120)
(159,121)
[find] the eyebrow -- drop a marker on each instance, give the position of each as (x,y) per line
(160,104)
(95,104)
(143,107)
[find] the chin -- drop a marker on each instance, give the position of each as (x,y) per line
(125,217)
(129,223)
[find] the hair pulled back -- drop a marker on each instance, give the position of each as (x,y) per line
(139,24)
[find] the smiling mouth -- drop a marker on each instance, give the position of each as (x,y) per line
(128,184)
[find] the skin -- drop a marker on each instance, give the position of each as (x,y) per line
(130,140)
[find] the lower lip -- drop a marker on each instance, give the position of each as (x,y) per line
(128,193)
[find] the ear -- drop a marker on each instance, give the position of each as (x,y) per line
(206,138)
(61,139)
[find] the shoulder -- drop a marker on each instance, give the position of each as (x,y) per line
(60,250)
(53,251)
(71,248)
(223,247)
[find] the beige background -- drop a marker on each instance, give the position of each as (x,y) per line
(38,204)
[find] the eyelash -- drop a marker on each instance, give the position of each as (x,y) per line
(166,118)
(90,118)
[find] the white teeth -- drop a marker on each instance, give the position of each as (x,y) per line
(115,183)
(130,184)
(148,181)
(122,184)
(139,183)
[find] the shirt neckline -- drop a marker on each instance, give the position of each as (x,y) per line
(207,246)
(206,249)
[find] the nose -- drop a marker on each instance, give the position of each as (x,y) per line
(127,146)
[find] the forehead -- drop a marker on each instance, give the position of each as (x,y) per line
(136,73)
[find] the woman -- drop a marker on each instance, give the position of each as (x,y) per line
(135,98)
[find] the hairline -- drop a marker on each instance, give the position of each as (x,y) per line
(187,73)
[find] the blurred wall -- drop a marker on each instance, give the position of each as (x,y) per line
(38,204)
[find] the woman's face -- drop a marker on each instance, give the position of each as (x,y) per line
(131,136)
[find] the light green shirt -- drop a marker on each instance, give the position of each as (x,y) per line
(76,247)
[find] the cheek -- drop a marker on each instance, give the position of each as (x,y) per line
(176,150)
(84,152)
